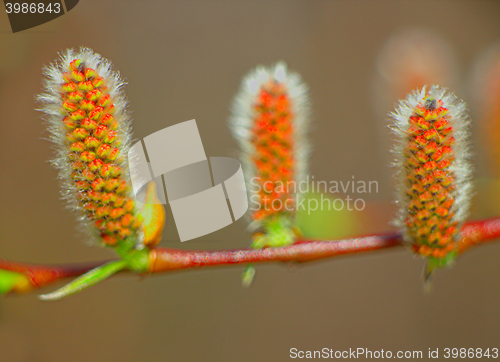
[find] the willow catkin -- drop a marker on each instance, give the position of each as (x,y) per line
(89,124)
(269,120)
(434,187)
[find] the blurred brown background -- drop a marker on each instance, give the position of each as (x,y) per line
(184,60)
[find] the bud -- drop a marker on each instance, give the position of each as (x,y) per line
(434,172)
(269,121)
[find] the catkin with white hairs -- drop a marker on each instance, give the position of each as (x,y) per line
(433,172)
(270,115)
(87,117)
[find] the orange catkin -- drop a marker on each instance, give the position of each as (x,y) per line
(86,113)
(272,139)
(433,172)
(270,116)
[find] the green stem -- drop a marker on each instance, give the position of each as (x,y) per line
(87,280)
(137,259)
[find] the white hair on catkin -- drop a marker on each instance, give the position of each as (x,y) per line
(51,105)
(461,166)
(243,117)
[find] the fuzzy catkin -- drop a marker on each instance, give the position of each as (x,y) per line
(89,124)
(433,171)
(269,121)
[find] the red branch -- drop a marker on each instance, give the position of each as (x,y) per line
(170,259)
(163,259)
(40,275)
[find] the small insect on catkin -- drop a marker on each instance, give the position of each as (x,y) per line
(434,187)
(269,120)
(88,121)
